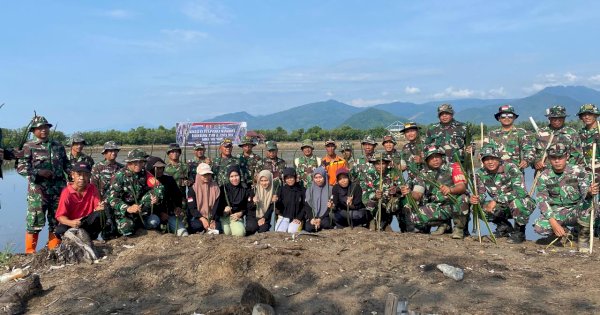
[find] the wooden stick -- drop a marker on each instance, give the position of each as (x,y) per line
(594,202)
(476,218)
(537,176)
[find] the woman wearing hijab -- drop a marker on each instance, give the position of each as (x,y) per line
(347,199)
(318,199)
(203,201)
(258,218)
(234,202)
(290,204)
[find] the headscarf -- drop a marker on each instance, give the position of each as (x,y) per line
(265,195)
(206,195)
(318,196)
(234,194)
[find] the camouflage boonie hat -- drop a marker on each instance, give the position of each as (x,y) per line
(307,143)
(380,156)
(226,142)
(77,138)
(556,111)
(558,149)
(368,139)
(505,109)
(199,146)
(410,125)
(38,121)
(431,150)
(110,145)
(346,146)
(136,155)
(588,109)
(489,150)
(445,108)
(247,140)
(173,147)
(330,142)
(271,145)
(388,138)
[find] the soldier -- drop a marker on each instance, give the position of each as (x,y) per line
(223,162)
(362,167)
(381,190)
(273,163)
(199,157)
(449,134)
(177,169)
(102,173)
(588,114)
(44,164)
(332,162)
(249,161)
(133,193)
(564,196)
(306,163)
(412,151)
(441,189)
(389,145)
(348,153)
(77,143)
(504,182)
(515,145)
(562,134)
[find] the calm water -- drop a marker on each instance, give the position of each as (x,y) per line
(13,190)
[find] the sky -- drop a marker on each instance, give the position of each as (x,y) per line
(96,65)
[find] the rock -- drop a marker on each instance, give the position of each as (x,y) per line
(451,272)
(76,247)
(263,309)
(14,300)
(255,294)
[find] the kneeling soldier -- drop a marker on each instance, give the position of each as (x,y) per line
(381,188)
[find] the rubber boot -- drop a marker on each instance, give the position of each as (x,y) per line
(503,228)
(440,230)
(53,241)
(459,225)
(518,236)
(31,240)
(583,241)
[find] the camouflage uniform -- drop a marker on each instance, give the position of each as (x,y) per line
(412,149)
(450,137)
(193,164)
(516,144)
(390,204)
(565,135)
(276,167)
(82,157)
(179,171)
(253,164)
(43,193)
(359,173)
(589,136)
(305,168)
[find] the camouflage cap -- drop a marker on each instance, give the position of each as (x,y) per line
(380,156)
(410,125)
(38,121)
(77,138)
(110,145)
(271,145)
(388,138)
(488,150)
(445,108)
(226,142)
(368,139)
(307,143)
(82,166)
(247,140)
(330,142)
(346,146)
(173,147)
(199,146)
(505,109)
(136,155)
(557,150)
(588,109)
(431,150)
(556,111)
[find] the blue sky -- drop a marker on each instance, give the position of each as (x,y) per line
(92,65)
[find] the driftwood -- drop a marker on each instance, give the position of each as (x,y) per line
(14,300)
(76,247)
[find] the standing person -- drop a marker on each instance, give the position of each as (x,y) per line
(132,195)
(504,182)
(102,173)
(588,114)
(222,163)
(176,168)
(332,162)
(389,145)
(258,219)
(381,190)
(249,161)
(564,196)
(203,202)
(449,135)
(360,170)
(273,163)
(562,134)
(319,216)
(347,202)
(515,145)
(348,153)
(77,143)
(44,164)
(306,163)
(169,209)
(79,205)
(234,203)
(199,157)
(412,151)
(291,204)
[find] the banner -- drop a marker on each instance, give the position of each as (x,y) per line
(209,133)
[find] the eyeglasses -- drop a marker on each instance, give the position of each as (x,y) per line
(507,116)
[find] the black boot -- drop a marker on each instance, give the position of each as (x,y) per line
(518,235)
(503,228)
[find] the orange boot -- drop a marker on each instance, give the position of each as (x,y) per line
(53,241)
(31,240)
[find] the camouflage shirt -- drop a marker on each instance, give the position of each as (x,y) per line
(445,175)
(567,189)
(359,173)
(128,188)
(395,156)
(253,164)
(409,151)
(179,171)
(504,186)
(220,166)
(102,173)
(450,137)
(49,155)
(588,138)
(193,165)
(82,157)
(276,167)
(390,179)
(565,135)
(305,166)
(515,145)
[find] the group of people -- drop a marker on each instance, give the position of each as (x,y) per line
(430,184)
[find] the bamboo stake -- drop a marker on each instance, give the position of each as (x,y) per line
(381,190)
(594,201)
(537,176)
(476,216)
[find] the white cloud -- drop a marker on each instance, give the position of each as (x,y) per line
(329,94)
(119,14)
(412,90)
(206,12)
(184,35)
(496,92)
(551,79)
(452,92)
(360,102)
(594,79)
(570,77)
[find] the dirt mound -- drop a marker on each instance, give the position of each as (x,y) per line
(334,272)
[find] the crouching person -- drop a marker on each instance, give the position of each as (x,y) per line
(319,216)
(169,209)
(382,190)
(233,204)
(349,210)
(291,205)
(258,219)
(564,195)
(132,197)
(79,205)
(203,202)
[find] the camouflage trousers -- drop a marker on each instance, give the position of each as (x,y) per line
(518,209)
(571,215)
(42,201)
(433,213)
(127,224)
(388,211)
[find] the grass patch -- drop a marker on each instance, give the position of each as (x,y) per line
(6,254)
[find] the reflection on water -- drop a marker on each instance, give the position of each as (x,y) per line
(13,192)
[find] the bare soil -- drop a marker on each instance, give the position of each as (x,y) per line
(334,272)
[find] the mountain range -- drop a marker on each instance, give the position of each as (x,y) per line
(331,113)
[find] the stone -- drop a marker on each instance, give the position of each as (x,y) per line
(255,294)
(451,272)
